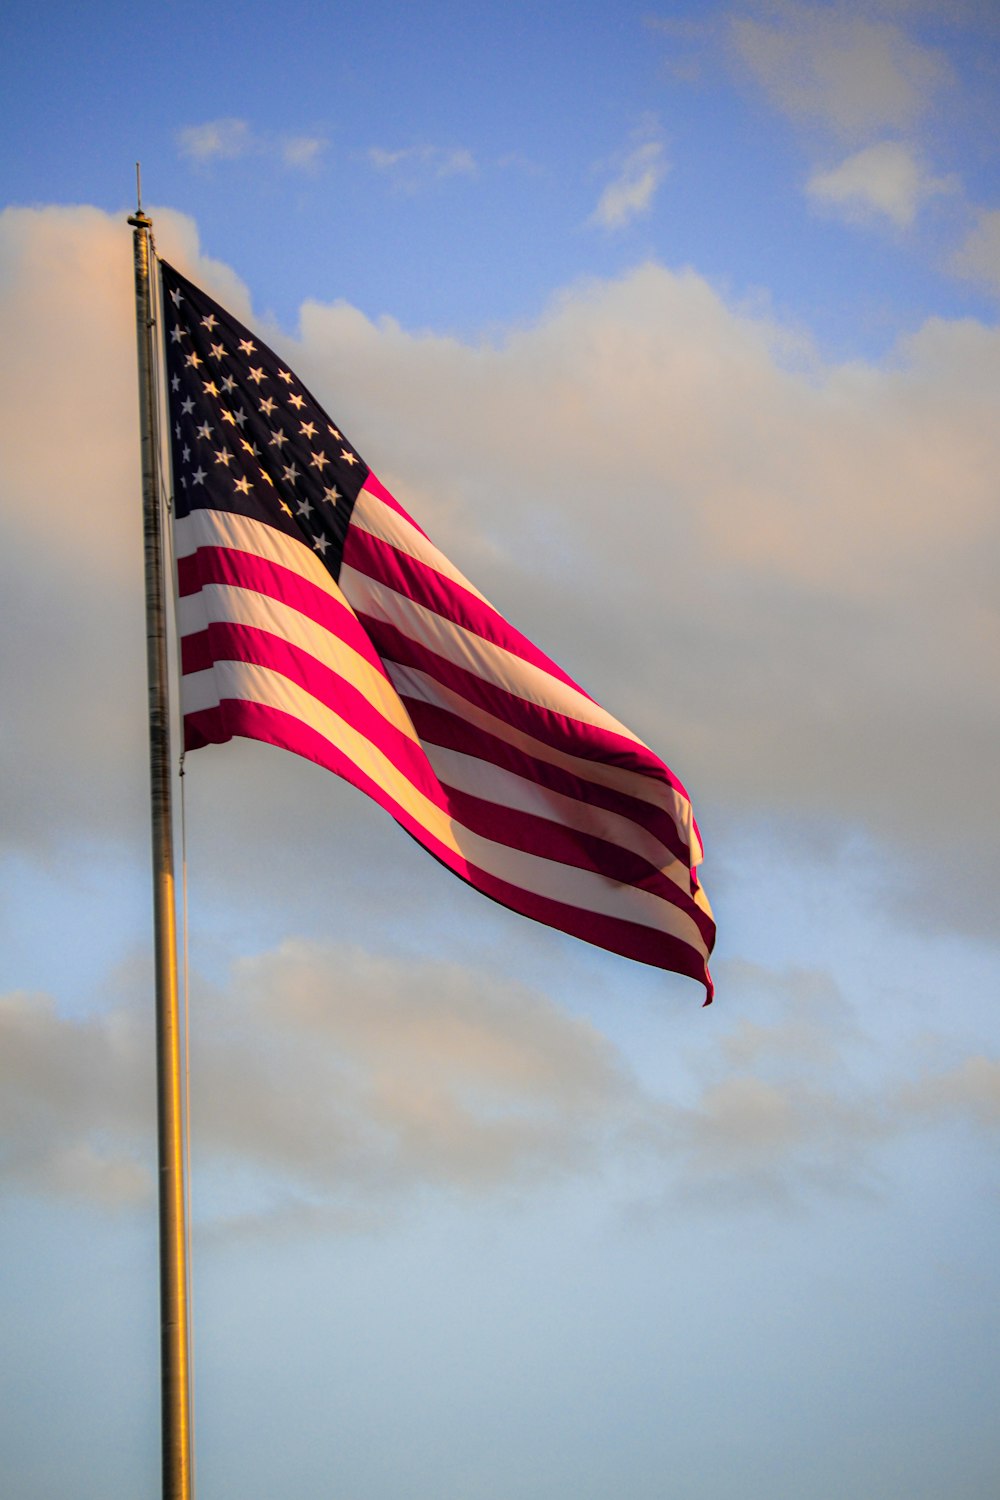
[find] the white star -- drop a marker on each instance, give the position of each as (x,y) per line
(291,473)
(185,453)
(257,375)
(187,406)
(223,456)
(284,375)
(321,545)
(278,439)
(267,406)
(229,384)
(241,417)
(198,477)
(176,297)
(204,431)
(297,401)
(177,431)
(217,351)
(305,509)
(209,321)
(349,458)
(319,461)
(243,485)
(332,494)
(176,334)
(175,382)
(248,346)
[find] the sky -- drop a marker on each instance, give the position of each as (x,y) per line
(676,327)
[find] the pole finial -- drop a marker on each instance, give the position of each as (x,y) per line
(139,220)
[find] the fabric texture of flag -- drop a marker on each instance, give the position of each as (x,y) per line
(316,615)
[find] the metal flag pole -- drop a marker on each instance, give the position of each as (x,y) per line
(174,1356)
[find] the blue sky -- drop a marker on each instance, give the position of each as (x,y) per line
(676,327)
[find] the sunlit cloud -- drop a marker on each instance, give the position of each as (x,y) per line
(328,1078)
(318,1069)
(847,674)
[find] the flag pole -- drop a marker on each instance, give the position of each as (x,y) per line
(174,1357)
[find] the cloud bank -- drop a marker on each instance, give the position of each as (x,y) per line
(777,571)
(328,1077)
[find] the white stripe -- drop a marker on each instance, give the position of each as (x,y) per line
(541,877)
(465,649)
(376,518)
(379,520)
(480,778)
(223,528)
(411,683)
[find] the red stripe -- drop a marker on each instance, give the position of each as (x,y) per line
(424,585)
(244,570)
(550,839)
(224,641)
(515,829)
(440,726)
(375,487)
(631,939)
(559,731)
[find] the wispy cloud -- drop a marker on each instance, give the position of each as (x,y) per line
(230,138)
(850,73)
(978,258)
(885,180)
(217,140)
(414,167)
(631,192)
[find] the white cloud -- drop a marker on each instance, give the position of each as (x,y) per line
(885,180)
(978,259)
(849,72)
(230,139)
(631,193)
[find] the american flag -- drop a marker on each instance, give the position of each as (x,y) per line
(316,615)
